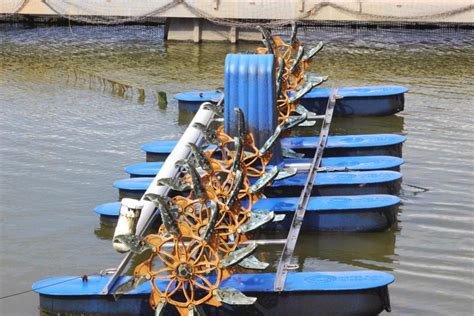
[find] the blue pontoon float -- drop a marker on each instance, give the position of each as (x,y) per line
(281,293)
(353,213)
(338,146)
(356,101)
(336,164)
(328,293)
(328,183)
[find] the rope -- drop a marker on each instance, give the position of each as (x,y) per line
(41,287)
(104,20)
(422,189)
(313,12)
(445,14)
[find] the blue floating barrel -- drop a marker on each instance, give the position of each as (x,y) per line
(327,183)
(351,213)
(333,164)
(249,84)
(328,293)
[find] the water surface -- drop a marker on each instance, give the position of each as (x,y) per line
(68,131)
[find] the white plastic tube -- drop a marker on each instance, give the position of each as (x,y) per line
(127,223)
(168,170)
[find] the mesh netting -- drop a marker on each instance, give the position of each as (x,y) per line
(234,13)
(10,7)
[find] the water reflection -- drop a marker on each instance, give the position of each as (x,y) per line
(360,125)
(105,231)
(334,249)
(339,126)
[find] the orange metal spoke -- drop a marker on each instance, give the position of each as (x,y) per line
(202,286)
(185,292)
(205,280)
(157,272)
(162,258)
(198,258)
(176,288)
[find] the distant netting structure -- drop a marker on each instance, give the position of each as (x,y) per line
(247,14)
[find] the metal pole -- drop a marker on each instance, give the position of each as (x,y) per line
(288,249)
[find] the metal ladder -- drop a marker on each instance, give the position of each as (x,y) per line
(289,247)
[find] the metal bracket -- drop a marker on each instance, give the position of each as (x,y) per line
(287,253)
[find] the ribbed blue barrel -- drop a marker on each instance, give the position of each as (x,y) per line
(249,84)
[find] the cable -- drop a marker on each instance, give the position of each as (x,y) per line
(41,287)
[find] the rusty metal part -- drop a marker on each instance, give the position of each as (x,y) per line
(267,39)
(290,122)
(168,213)
(294,32)
(201,158)
(191,268)
(209,135)
(198,187)
(176,184)
(206,235)
(203,235)
(297,60)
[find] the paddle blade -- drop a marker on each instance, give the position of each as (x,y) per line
(313,51)
(279,217)
(174,184)
(129,286)
(236,256)
(257,218)
(133,242)
(286,173)
(290,153)
(216,108)
(234,297)
(262,182)
(160,309)
(251,262)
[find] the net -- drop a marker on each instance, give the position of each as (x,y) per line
(248,13)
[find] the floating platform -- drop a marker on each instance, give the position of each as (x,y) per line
(364,163)
(326,184)
(337,146)
(328,293)
(356,101)
(324,213)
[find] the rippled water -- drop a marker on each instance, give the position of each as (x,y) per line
(67,132)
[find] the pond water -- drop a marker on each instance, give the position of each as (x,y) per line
(66,135)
